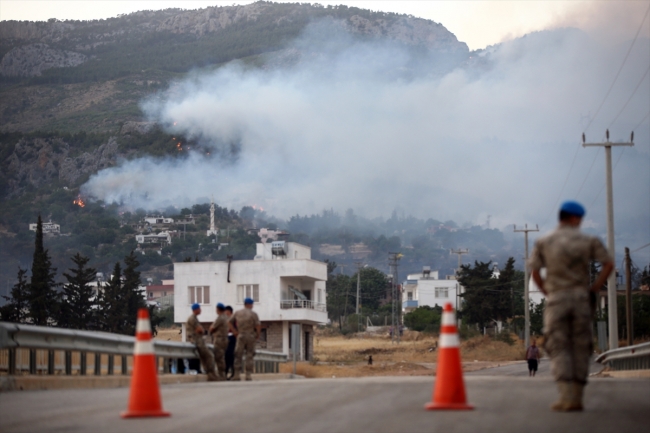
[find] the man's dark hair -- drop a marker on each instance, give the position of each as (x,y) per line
(565,215)
(228,308)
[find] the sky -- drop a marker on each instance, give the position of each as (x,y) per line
(477,23)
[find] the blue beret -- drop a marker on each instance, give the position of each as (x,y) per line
(248,301)
(221,306)
(573,208)
(195,307)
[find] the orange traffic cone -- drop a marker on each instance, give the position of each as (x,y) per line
(449,389)
(144,399)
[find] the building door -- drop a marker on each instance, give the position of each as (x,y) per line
(307,346)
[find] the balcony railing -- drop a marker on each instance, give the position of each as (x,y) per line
(411,303)
(297,303)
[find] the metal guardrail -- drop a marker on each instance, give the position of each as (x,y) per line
(14,336)
(635,357)
(303,304)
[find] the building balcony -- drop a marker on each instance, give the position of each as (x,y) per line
(310,312)
(411,303)
(297,303)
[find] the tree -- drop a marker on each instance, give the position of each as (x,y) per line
(132,293)
(43,298)
(372,288)
(424,318)
(16,309)
(78,301)
(112,303)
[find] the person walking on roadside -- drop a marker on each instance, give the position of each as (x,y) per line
(230,351)
(195,334)
(219,332)
(247,332)
(532,357)
(566,253)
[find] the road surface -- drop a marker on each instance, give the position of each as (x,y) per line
(521,369)
(377,404)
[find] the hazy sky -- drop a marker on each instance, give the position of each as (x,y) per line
(478,23)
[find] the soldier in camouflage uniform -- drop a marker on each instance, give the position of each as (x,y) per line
(195,334)
(566,254)
(247,332)
(219,332)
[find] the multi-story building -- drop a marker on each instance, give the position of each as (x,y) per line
(427,289)
(49,228)
(288,287)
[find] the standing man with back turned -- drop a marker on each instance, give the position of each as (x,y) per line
(195,334)
(247,332)
(566,254)
(219,332)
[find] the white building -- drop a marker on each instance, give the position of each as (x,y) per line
(287,285)
(154,238)
(49,228)
(158,220)
(427,289)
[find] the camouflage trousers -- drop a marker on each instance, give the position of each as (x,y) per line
(220,355)
(568,337)
(207,359)
(245,345)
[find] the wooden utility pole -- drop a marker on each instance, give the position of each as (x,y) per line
(628,298)
(525,230)
(393,262)
(611,281)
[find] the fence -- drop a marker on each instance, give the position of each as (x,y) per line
(635,357)
(39,349)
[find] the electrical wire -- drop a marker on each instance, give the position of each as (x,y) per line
(640,248)
(630,98)
(603,186)
(641,122)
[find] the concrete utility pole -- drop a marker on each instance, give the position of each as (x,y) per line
(358,291)
(611,281)
(525,230)
(460,253)
(628,297)
(393,262)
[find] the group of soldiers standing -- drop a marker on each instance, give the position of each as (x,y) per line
(242,326)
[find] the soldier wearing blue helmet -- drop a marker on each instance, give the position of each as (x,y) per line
(195,334)
(566,253)
(247,331)
(219,332)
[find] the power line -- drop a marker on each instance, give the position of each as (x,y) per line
(641,122)
(631,96)
(640,248)
(613,169)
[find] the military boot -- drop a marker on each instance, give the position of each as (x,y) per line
(212,377)
(248,377)
(577,390)
(222,376)
(564,402)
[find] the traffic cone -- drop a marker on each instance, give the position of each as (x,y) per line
(449,389)
(144,399)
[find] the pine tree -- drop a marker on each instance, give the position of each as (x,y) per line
(112,303)
(43,298)
(78,303)
(133,294)
(17,306)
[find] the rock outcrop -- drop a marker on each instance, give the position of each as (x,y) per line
(31,60)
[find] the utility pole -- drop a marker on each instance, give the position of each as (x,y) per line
(358,291)
(628,297)
(611,281)
(393,262)
(460,253)
(525,230)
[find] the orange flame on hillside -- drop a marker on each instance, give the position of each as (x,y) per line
(79,202)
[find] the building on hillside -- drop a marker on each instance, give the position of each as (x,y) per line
(427,289)
(160,295)
(288,287)
(154,238)
(158,220)
(49,228)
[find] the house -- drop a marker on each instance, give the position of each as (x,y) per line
(427,289)
(154,238)
(49,228)
(158,220)
(288,287)
(155,292)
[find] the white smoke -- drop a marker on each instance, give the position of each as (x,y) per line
(371,126)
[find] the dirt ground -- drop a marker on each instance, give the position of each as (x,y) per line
(169,334)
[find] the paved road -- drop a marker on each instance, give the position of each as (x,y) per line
(521,369)
(379,404)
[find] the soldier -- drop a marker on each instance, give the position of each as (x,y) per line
(219,332)
(247,332)
(232,341)
(566,254)
(195,333)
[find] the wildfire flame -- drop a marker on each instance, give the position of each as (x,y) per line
(79,202)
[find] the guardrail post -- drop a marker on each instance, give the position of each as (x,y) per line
(12,362)
(32,361)
(68,363)
(83,365)
(125,365)
(50,361)
(111,360)
(98,364)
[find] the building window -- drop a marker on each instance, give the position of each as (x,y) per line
(442,292)
(198,295)
(248,291)
(409,295)
(151,294)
